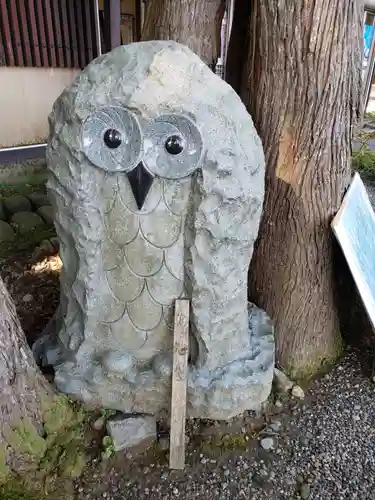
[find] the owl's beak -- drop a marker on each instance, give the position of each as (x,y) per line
(140,181)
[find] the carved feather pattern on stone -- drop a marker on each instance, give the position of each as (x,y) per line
(148,286)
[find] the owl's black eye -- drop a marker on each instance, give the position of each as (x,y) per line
(112,138)
(174,145)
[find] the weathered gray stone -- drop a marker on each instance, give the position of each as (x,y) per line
(276,426)
(7,233)
(47,214)
(127,431)
(127,257)
(39,200)
(282,382)
(26,222)
(304,491)
(297,392)
(267,443)
(16,203)
(2,211)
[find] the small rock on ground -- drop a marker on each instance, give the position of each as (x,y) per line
(304,491)
(128,431)
(99,424)
(47,214)
(276,426)
(26,222)
(297,392)
(16,203)
(39,200)
(2,210)
(7,233)
(267,443)
(282,382)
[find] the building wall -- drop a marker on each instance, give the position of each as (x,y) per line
(26,98)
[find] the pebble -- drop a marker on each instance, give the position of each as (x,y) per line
(99,424)
(304,491)
(282,382)
(276,426)
(27,298)
(39,200)
(26,222)
(16,203)
(47,213)
(7,233)
(297,392)
(267,443)
(2,210)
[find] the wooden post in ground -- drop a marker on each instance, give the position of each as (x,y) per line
(179,383)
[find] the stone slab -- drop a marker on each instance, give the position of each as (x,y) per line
(128,431)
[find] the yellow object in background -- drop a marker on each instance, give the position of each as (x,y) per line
(127,6)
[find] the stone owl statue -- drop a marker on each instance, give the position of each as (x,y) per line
(156,174)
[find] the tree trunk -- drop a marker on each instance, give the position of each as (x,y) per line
(26,397)
(302,86)
(195,23)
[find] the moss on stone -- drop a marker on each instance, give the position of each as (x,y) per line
(27,242)
(61,414)
(59,456)
(25,440)
(65,425)
(304,373)
(73,464)
(219,444)
(30,184)
(16,492)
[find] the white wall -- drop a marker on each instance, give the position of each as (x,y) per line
(26,98)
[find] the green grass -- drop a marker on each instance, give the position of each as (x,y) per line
(34,183)
(364,163)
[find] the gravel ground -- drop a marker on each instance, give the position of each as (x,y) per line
(323,448)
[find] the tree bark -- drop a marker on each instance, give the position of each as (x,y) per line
(195,23)
(302,87)
(25,396)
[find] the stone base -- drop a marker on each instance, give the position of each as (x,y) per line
(111,380)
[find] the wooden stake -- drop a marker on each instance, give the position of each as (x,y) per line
(179,380)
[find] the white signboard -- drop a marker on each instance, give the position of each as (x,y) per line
(354,227)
